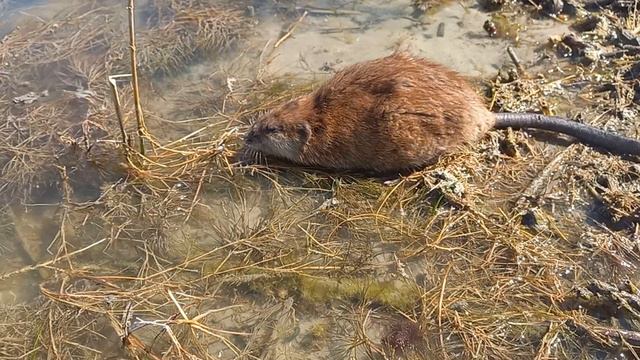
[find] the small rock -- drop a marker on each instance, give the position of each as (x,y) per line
(440,31)
(549,7)
(460,306)
(327,67)
(81,93)
(552,7)
(588,23)
(491,28)
(575,44)
(529,218)
(492,5)
(250,11)
(626,37)
(329,203)
(27,98)
(571,7)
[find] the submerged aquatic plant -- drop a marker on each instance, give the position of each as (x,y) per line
(186,34)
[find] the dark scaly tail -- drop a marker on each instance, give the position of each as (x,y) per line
(585,133)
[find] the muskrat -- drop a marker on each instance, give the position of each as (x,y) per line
(392,114)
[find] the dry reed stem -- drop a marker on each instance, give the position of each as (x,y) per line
(290,31)
(116,100)
(47,264)
(142,128)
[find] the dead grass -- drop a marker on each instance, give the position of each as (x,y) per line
(177,253)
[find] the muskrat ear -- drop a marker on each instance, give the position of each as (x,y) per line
(304,130)
(320,99)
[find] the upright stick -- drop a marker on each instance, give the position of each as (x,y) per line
(142,129)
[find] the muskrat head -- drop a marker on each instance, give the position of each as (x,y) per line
(282,132)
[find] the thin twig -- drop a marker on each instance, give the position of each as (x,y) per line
(290,31)
(118,106)
(440,301)
(50,262)
(195,197)
(142,129)
(516,61)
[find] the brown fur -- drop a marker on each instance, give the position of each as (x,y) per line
(388,114)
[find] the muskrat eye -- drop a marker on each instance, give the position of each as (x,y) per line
(271,129)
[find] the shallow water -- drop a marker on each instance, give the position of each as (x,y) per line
(334,41)
(331,35)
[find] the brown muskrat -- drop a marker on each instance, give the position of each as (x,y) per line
(395,113)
